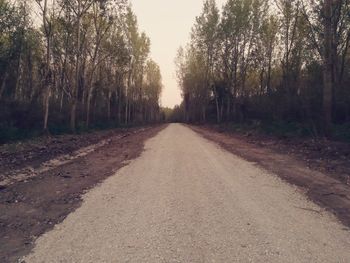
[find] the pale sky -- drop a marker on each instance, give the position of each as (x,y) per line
(168,24)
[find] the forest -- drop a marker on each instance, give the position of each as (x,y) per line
(67,66)
(276,61)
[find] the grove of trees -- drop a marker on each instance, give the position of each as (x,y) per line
(74,64)
(268,60)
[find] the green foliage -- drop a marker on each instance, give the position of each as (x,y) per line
(86,66)
(267,60)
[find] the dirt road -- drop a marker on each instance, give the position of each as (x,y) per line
(187,200)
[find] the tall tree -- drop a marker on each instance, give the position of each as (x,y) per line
(47,17)
(204,38)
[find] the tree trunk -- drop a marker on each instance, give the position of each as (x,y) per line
(73,115)
(77,73)
(228,110)
(109,105)
(218,119)
(204,114)
(126,110)
(119,105)
(61,101)
(3,85)
(46,107)
(47,81)
(327,68)
(30,76)
(88,106)
(47,87)
(222,109)
(269,70)
(18,75)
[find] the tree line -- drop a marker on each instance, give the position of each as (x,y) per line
(73,65)
(276,60)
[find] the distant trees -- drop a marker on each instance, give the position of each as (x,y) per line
(268,60)
(86,64)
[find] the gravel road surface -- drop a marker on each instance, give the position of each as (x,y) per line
(187,200)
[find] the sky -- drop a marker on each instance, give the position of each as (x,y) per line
(168,23)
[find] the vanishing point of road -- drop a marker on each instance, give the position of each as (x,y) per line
(187,200)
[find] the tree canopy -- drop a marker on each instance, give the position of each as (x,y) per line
(276,60)
(73,65)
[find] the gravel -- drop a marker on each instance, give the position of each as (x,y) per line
(187,200)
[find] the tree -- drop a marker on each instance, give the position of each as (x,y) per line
(85,64)
(329,30)
(47,17)
(328,66)
(205,40)
(287,62)
(152,90)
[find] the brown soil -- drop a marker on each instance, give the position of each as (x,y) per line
(302,163)
(33,205)
(34,152)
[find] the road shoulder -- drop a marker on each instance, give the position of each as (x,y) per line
(319,187)
(31,207)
